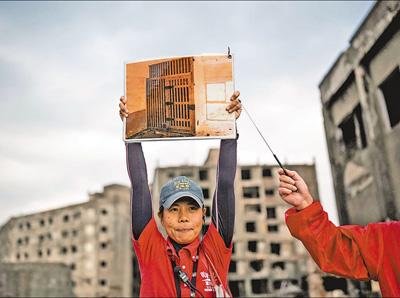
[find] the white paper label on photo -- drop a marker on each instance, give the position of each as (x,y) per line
(216,92)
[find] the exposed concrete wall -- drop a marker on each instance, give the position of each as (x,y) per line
(365,177)
(386,60)
(5,242)
(35,280)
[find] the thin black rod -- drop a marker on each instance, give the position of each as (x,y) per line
(265,141)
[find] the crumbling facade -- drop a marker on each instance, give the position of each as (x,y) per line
(92,238)
(360,97)
(266,259)
(35,280)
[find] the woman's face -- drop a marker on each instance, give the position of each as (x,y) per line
(183,220)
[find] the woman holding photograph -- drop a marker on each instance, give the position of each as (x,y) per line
(186,263)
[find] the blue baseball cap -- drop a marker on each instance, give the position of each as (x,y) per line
(180,187)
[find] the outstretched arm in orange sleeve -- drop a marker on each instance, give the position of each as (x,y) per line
(349,251)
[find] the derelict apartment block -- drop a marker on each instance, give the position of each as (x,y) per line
(361,106)
(92,238)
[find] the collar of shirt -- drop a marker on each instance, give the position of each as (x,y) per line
(190,250)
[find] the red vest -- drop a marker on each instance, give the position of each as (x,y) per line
(154,254)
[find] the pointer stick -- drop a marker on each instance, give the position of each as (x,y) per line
(265,141)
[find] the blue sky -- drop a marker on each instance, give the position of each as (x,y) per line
(61,74)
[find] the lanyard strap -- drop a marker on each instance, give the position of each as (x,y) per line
(194,275)
(177,278)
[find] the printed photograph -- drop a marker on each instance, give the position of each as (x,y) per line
(180,97)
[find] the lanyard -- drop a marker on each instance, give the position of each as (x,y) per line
(180,275)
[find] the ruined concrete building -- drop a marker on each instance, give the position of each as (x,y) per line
(360,96)
(266,260)
(35,280)
(91,238)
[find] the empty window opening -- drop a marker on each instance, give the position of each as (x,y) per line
(273,228)
(252,246)
(257,265)
(271,212)
(269,192)
(275,248)
(334,283)
(304,283)
(277,284)
(353,131)
(208,211)
(206,193)
(391,92)
(251,192)
(267,172)
(250,226)
(252,208)
(103,245)
(232,266)
(104,211)
(245,174)
(74,248)
(103,282)
(259,286)
(279,265)
(103,264)
(203,175)
(41,222)
(66,218)
(64,250)
(104,229)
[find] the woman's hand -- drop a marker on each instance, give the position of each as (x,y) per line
(235,105)
(123,109)
(293,190)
